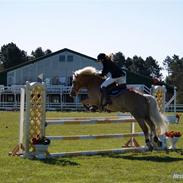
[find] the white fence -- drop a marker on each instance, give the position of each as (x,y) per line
(179,108)
(57,98)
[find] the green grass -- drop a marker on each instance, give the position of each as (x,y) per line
(130,167)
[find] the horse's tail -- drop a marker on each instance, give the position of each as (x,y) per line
(157,117)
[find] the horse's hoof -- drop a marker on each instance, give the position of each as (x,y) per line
(92,109)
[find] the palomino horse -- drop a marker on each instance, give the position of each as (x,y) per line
(143,107)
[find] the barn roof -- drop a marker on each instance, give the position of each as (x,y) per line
(46,56)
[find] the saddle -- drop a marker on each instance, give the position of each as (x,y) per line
(116,89)
(111,90)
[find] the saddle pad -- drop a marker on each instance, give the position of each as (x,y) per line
(118,91)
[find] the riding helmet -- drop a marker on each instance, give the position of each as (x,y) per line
(101,56)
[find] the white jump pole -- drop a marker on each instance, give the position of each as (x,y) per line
(99,152)
(21,124)
(100,136)
(88,121)
(132,132)
(27,119)
(175,102)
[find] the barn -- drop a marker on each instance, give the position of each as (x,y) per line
(55,68)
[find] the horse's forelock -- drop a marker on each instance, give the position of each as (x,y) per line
(74,76)
(85,71)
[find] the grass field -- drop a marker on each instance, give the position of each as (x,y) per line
(130,167)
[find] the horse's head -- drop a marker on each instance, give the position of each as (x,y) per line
(83,78)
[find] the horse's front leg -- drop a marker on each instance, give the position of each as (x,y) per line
(89,104)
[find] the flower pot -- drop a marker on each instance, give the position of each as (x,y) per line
(172,142)
(41,151)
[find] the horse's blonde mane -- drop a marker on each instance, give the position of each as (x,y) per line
(86,71)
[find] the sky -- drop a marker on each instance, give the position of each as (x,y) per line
(133,27)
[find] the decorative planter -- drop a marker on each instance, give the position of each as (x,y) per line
(41,151)
(172,142)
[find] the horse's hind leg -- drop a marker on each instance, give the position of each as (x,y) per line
(145,129)
(153,130)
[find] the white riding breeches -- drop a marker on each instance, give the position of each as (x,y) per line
(110,80)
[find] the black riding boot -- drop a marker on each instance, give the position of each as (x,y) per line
(105,99)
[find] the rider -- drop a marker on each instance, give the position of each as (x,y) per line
(116,75)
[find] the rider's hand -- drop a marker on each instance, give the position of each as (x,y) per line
(99,73)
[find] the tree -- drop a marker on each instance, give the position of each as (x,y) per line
(1,63)
(148,67)
(48,51)
(174,66)
(138,65)
(11,55)
(40,53)
(119,58)
(129,62)
(153,68)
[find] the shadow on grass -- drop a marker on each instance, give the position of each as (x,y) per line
(153,158)
(59,162)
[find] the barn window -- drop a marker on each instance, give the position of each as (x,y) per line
(70,58)
(62,58)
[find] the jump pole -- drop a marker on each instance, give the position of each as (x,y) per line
(19,148)
(99,152)
(101,136)
(88,121)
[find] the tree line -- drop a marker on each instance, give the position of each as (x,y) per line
(174,66)
(11,55)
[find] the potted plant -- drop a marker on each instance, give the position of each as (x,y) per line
(173,137)
(40,145)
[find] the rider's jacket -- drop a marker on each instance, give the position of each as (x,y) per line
(112,68)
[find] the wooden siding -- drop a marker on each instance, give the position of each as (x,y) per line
(51,67)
